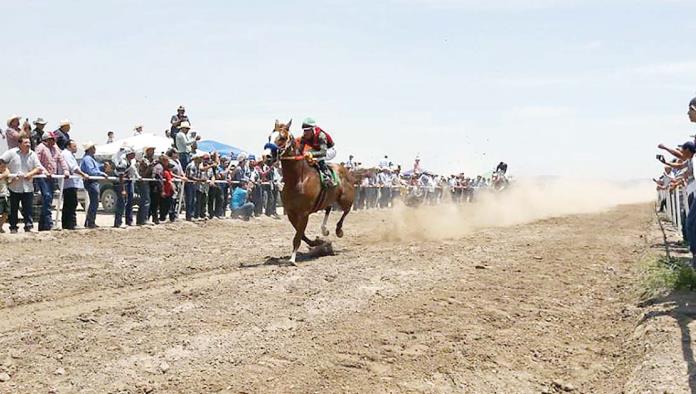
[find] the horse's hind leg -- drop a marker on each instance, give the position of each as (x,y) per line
(324,231)
(339,225)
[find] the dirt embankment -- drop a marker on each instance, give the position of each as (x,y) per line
(547,306)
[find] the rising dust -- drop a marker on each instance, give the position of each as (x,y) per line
(524,202)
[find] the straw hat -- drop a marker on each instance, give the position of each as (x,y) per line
(64,122)
(11,118)
(88,145)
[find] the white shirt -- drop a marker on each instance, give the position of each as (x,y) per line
(19,163)
(72,166)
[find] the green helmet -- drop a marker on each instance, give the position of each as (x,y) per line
(309,122)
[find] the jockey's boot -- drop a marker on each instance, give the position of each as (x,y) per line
(326,175)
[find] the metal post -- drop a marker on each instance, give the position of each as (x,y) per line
(59,207)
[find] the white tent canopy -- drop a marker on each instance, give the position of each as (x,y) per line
(137,143)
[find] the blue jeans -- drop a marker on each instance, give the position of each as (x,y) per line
(245,211)
(184,159)
(46,188)
(92,188)
(124,203)
(27,201)
(144,207)
(190,199)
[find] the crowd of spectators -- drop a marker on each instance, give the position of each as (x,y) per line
(154,187)
(678,178)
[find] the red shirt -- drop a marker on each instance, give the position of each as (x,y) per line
(167,188)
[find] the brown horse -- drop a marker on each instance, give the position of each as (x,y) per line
(302,192)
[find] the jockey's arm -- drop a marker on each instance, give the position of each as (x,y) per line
(323,146)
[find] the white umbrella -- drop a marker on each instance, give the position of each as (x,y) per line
(137,143)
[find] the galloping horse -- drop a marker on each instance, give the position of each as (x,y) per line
(302,192)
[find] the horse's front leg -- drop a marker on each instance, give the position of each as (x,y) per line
(300,224)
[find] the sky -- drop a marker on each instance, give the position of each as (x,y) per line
(568,88)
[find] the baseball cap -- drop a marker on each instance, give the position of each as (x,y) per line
(690,146)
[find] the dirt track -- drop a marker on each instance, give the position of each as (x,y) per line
(193,308)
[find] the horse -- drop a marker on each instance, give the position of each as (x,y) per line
(302,192)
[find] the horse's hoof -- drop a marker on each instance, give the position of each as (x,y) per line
(325,232)
(339,233)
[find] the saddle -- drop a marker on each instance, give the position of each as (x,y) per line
(327,175)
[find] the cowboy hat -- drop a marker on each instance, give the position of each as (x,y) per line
(89,145)
(39,121)
(185,125)
(64,122)
(11,118)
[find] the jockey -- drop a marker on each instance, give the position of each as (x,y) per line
(317,145)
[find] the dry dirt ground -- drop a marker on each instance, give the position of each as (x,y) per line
(548,306)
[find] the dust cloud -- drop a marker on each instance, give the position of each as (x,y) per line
(524,202)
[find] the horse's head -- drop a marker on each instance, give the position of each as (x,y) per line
(280,143)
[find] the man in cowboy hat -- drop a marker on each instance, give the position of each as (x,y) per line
(176,121)
(183,143)
(13,132)
(38,132)
(145,188)
(90,167)
(127,172)
(63,134)
(53,164)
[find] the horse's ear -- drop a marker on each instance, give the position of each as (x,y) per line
(289,123)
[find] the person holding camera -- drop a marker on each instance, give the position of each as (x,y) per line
(240,207)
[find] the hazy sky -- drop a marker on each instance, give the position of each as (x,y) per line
(552,87)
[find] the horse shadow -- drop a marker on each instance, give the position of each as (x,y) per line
(315,253)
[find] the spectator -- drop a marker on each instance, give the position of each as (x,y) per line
(138,130)
(156,188)
(70,187)
(110,137)
(176,122)
(240,207)
(214,190)
(384,182)
(349,164)
(417,165)
(206,176)
(90,167)
(268,186)
(255,181)
(183,143)
(4,194)
(13,132)
(146,189)
(37,133)
(53,163)
(193,174)
(384,163)
(63,134)
(127,172)
(177,173)
(25,163)
(241,171)
(167,188)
